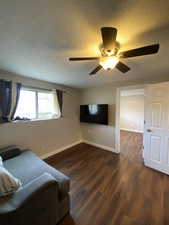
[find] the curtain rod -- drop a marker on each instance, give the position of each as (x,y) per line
(43,89)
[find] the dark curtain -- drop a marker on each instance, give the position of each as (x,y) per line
(7,111)
(60,100)
(5,100)
(18,89)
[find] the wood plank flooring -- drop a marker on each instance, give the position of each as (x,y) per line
(112,189)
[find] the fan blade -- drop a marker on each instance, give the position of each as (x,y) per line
(96,70)
(83,58)
(150,49)
(122,67)
(109,37)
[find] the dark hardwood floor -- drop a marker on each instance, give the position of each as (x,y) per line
(112,189)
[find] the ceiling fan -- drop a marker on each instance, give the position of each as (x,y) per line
(111,54)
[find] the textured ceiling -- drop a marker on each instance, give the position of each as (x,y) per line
(38,36)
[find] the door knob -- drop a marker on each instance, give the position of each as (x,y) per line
(149,130)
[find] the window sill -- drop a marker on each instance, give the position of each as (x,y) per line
(34,120)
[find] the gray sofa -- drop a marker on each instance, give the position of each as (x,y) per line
(44,197)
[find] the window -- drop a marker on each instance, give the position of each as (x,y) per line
(37,104)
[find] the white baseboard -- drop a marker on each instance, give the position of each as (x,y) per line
(100,146)
(45,156)
(156,166)
(136,131)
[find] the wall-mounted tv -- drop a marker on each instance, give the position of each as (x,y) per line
(95,113)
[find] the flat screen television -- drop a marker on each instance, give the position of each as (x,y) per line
(95,113)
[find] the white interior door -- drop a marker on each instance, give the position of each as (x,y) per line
(156,133)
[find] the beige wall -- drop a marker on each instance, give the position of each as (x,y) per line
(132,113)
(45,136)
(100,134)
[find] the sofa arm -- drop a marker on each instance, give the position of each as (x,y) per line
(27,193)
(10,152)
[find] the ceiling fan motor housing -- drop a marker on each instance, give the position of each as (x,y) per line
(110,52)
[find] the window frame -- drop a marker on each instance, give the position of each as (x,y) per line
(38,90)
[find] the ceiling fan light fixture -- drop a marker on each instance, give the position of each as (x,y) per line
(110,52)
(109,62)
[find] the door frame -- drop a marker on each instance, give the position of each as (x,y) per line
(117,120)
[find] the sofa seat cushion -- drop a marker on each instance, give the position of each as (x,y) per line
(27,166)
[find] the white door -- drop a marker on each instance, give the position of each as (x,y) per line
(156,133)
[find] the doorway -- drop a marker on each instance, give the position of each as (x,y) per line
(130,121)
(156,125)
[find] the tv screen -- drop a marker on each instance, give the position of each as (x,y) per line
(95,113)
